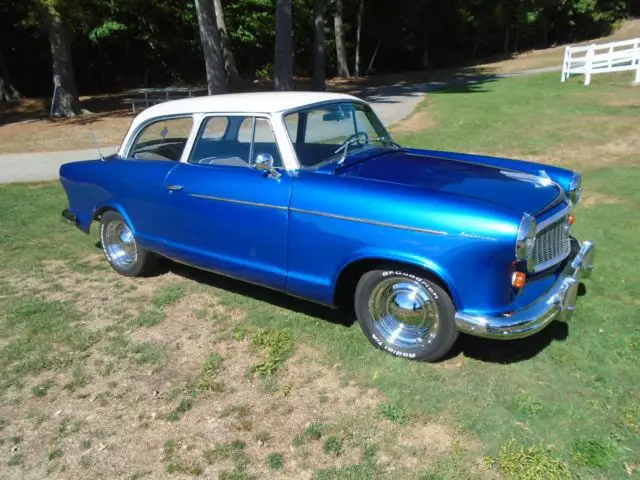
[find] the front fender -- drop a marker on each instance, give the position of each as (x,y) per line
(390,255)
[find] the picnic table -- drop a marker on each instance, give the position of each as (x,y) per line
(152,96)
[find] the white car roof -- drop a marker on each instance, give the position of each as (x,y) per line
(256,102)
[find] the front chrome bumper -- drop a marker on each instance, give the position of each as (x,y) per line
(558,303)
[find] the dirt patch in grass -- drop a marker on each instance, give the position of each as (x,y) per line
(43,135)
(585,155)
(418,121)
(103,297)
(184,396)
(591,198)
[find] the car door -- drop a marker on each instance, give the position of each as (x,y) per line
(223,214)
(140,186)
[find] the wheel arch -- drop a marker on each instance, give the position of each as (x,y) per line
(102,209)
(349,275)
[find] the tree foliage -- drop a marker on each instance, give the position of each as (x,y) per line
(119,44)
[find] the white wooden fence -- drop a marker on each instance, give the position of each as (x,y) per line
(607,57)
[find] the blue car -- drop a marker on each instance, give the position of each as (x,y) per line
(307,193)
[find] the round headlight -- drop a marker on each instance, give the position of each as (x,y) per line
(575,188)
(526,240)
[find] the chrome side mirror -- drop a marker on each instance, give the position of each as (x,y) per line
(264,163)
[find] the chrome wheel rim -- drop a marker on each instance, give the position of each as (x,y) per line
(404,313)
(119,244)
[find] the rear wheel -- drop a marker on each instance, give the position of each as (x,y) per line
(405,314)
(125,255)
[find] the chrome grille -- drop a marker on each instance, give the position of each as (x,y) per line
(552,245)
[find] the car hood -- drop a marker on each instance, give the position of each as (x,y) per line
(509,189)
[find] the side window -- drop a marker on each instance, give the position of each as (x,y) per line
(215,128)
(230,141)
(162,140)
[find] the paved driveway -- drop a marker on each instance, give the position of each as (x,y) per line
(391,103)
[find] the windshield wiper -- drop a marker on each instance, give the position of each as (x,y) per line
(386,141)
(351,139)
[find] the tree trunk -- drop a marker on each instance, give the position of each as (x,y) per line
(341,49)
(545,34)
(210,41)
(7,91)
(65,101)
(505,47)
(283,65)
(319,55)
(227,52)
(373,57)
(356,67)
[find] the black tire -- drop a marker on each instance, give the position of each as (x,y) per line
(143,263)
(442,335)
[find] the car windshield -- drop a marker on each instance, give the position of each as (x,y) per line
(332,132)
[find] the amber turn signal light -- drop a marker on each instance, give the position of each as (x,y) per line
(518,279)
(571,219)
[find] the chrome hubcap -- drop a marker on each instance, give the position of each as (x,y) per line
(119,244)
(404,312)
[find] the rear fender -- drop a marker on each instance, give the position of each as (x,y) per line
(117,207)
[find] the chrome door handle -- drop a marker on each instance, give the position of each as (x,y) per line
(174,188)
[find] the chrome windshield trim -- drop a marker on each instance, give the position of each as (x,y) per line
(239,202)
(370,222)
(553,219)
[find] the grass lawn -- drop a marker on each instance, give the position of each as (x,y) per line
(188,373)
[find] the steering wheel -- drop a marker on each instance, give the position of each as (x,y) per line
(353,139)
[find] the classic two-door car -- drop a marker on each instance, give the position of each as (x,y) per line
(307,193)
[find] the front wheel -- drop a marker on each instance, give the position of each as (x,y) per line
(405,314)
(125,255)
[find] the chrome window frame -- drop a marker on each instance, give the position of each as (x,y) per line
(132,136)
(287,161)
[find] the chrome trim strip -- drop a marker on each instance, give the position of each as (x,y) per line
(553,218)
(558,302)
(370,222)
(239,202)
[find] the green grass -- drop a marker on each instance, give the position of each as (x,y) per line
(313,432)
(223,451)
(520,462)
(275,461)
(395,413)
(175,463)
(42,388)
(183,407)
(332,445)
(278,346)
(169,295)
(527,116)
(566,405)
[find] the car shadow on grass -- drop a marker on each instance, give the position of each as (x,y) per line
(263,294)
(509,351)
(482,349)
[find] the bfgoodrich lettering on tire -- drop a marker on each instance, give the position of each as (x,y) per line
(405,314)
